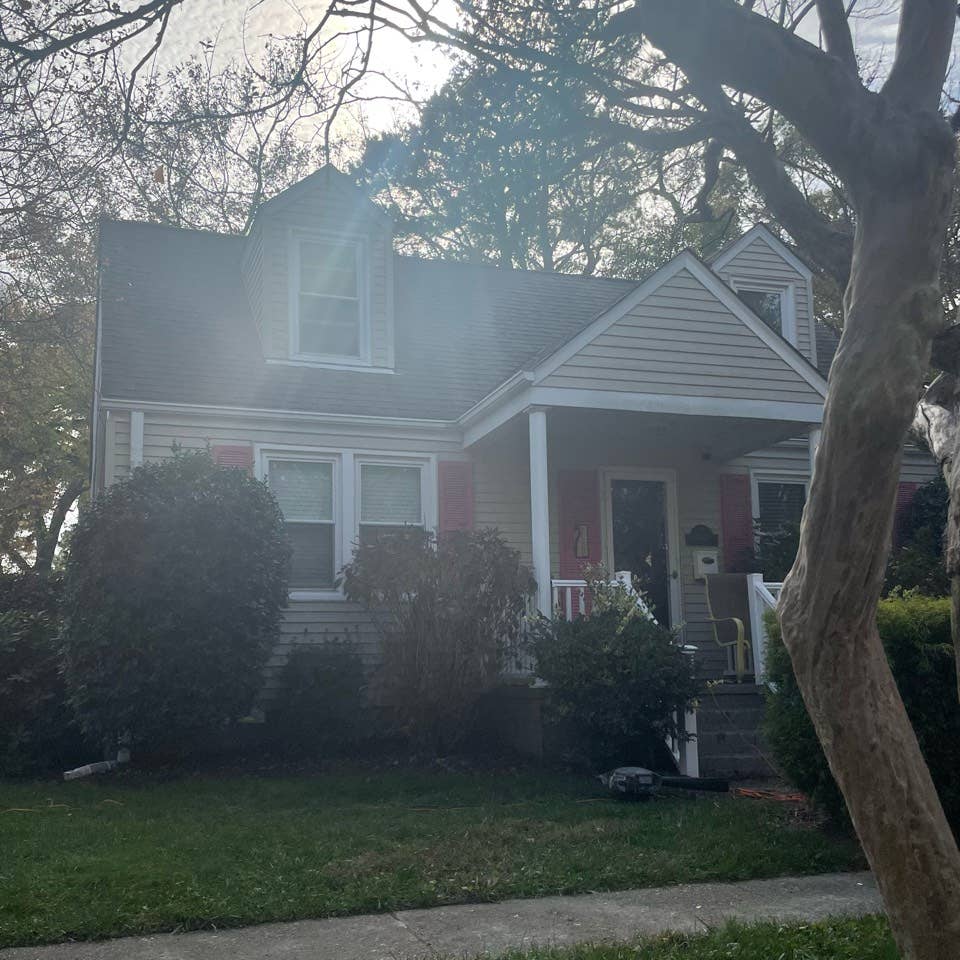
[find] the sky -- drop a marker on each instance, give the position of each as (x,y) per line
(243,26)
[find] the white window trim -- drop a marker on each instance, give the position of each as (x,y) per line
(263,457)
(329,361)
(346,494)
(788,302)
(773,476)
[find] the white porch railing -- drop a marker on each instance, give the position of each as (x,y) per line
(761,597)
(517,661)
(569,597)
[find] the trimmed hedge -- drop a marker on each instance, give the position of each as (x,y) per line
(322,708)
(915,631)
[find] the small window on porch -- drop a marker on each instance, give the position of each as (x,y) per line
(780,509)
(390,497)
(766,305)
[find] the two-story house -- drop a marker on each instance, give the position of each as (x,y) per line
(640,425)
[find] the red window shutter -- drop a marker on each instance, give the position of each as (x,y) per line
(736,519)
(905,494)
(455,479)
(237,456)
(579,522)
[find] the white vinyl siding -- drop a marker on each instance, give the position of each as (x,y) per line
(682,341)
(501,499)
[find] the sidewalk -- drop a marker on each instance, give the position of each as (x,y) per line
(494,928)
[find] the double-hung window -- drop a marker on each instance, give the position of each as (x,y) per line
(305,492)
(391,497)
(330,309)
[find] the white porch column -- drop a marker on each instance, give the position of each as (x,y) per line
(136,439)
(540,508)
(814,441)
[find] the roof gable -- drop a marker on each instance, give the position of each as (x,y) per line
(760,233)
(683,331)
(319,183)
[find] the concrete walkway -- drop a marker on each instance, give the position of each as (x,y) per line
(494,928)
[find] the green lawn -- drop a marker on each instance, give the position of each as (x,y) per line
(866,939)
(119,856)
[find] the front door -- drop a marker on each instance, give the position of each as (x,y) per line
(641,536)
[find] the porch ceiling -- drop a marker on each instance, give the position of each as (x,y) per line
(716,439)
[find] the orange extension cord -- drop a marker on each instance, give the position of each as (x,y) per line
(752,794)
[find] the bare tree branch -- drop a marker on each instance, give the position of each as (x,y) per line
(829,243)
(718,41)
(27,51)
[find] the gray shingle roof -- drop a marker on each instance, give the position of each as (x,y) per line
(827,342)
(177,327)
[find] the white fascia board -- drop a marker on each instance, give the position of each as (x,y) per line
(252,413)
(801,413)
(805,414)
(96,453)
(522,378)
(762,232)
(496,416)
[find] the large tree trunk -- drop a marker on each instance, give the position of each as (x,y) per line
(829,601)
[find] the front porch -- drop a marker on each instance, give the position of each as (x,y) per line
(641,495)
(574,488)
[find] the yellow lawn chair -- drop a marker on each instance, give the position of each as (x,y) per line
(729,609)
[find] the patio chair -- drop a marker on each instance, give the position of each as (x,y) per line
(729,609)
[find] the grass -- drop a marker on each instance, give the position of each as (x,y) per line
(863,939)
(129,855)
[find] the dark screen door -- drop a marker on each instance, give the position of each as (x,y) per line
(639,521)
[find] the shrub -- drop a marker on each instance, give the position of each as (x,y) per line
(776,549)
(175,581)
(38,731)
(614,678)
(917,563)
(916,636)
(444,610)
(322,707)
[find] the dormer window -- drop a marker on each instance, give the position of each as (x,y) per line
(774,304)
(329,320)
(767,306)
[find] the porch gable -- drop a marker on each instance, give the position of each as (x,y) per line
(684,333)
